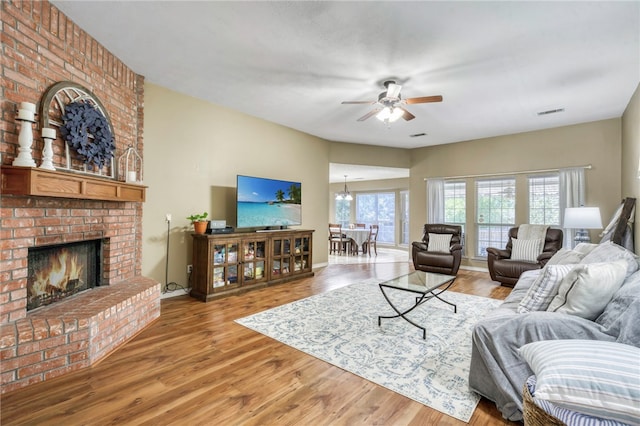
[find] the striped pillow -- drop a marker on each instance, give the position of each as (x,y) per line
(593,377)
(568,417)
(544,288)
(527,250)
(439,242)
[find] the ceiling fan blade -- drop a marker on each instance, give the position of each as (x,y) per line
(393,90)
(369,114)
(407,115)
(424,99)
(359,102)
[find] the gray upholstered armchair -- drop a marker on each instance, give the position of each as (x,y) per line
(441,261)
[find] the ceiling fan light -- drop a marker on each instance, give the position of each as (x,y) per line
(384,114)
(395,114)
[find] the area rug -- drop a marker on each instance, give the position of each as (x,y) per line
(341,328)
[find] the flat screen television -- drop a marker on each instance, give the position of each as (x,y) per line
(268,203)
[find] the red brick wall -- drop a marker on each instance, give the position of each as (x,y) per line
(41,47)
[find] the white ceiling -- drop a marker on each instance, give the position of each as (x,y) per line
(496,64)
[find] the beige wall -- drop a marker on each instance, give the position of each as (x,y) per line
(597,143)
(631,156)
(369,155)
(193,151)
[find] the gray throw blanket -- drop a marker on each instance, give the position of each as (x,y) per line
(532,232)
(498,373)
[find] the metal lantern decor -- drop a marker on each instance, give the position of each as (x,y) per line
(130,166)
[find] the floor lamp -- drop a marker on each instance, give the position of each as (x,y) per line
(581,219)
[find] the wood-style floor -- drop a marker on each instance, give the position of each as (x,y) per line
(196,366)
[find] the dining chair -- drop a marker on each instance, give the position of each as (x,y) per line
(371,241)
(337,240)
(360,225)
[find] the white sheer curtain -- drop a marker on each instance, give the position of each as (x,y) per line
(435,200)
(572,194)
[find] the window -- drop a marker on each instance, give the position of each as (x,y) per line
(455,204)
(343,212)
(380,209)
(544,200)
(404,218)
(495,213)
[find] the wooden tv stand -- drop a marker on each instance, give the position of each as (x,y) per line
(225,264)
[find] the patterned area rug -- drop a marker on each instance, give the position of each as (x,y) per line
(341,328)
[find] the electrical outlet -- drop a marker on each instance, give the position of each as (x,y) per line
(189,269)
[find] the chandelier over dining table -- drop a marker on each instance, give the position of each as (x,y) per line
(344,195)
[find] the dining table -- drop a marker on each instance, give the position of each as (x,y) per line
(358,235)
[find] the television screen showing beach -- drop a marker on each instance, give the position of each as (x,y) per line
(268,202)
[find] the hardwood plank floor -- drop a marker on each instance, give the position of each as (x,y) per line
(195,366)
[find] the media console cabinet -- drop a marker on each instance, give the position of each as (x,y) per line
(225,264)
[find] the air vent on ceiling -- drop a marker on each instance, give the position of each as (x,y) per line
(551,111)
(417,135)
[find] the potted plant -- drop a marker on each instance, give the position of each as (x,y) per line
(199,222)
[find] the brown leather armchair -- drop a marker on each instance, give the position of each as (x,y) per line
(438,262)
(507,271)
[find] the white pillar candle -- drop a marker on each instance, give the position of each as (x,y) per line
(131,176)
(24,114)
(48,132)
(28,106)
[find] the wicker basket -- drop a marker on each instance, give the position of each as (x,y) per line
(534,415)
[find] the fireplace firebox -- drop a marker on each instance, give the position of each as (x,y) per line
(59,271)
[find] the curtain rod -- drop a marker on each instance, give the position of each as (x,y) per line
(510,173)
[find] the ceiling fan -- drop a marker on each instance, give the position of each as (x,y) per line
(390,105)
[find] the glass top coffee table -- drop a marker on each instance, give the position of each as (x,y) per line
(427,284)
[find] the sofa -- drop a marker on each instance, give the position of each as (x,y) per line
(587,296)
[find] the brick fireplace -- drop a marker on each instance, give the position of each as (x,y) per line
(74,333)
(42,47)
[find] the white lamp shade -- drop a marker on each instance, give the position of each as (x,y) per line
(582,218)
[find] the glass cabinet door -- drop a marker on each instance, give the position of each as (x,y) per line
(280,257)
(225,265)
(253,260)
(301,254)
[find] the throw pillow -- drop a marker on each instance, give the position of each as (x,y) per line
(439,242)
(544,288)
(587,289)
(527,250)
(609,252)
(593,377)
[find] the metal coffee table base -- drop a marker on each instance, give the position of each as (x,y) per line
(419,301)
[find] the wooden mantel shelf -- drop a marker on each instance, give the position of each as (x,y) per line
(63,184)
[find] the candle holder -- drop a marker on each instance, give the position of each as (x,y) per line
(130,166)
(26,116)
(49,135)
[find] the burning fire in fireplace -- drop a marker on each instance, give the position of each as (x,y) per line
(59,272)
(62,275)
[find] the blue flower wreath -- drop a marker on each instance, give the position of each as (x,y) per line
(80,120)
